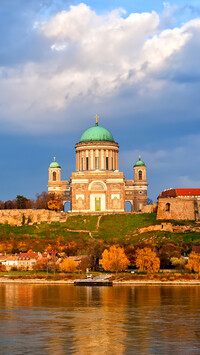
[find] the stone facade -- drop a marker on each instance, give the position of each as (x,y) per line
(98,185)
(179,204)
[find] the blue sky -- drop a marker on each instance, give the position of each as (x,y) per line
(135,63)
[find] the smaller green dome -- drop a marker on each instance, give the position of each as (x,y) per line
(54,164)
(139,162)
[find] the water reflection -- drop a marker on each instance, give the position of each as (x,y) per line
(60,319)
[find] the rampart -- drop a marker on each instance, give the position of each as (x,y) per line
(28,216)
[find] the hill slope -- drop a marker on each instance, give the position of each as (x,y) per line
(121,229)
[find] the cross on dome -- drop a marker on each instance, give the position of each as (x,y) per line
(96,123)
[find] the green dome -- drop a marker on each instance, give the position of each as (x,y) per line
(96,134)
(139,162)
(54,164)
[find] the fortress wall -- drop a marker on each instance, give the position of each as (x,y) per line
(180,209)
(29,216)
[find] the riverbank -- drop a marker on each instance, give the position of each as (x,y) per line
(6,280)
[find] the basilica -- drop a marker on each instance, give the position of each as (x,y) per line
(98,185)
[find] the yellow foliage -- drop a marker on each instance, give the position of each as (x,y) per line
(54,205)
(194,262)
(68,265)
(146,260)
(114,259)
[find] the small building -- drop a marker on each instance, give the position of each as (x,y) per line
(179,204)
(28,260)
(11,261)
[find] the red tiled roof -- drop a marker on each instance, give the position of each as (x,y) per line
(26,256)
(168,193)
(179,192)
(188,192)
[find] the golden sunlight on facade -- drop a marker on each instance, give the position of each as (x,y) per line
(98,185)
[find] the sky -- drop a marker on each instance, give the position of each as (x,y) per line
(135,63)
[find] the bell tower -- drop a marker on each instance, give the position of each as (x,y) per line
(54,171)
(140,184)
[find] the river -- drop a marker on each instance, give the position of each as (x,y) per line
(65,319)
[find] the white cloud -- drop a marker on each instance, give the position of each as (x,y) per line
(90,57)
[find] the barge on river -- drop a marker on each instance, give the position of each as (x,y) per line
(101,280)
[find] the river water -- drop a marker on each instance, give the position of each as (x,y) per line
(65,319)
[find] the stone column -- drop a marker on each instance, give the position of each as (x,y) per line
(76,161)
(79,160)
(116,160)
(82,160)
(91,159)
(102,160)
(107,156)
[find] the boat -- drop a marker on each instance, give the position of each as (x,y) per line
(100,280)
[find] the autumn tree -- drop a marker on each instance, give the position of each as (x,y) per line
(85,263)
(54,205)
(114,259)
(130,252)
(94,251)
(70,248)
(23,202)
(194,262)
(179,263)
(10,204)
(68,265)
(53,263)
(41,264)
(166,252)
(147,260)
(42,200)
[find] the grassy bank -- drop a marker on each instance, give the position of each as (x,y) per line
(121,229)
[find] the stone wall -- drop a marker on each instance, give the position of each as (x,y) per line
(29,216)
(178,208)
(169,227)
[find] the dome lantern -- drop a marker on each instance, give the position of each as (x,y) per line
(139,162)
(54,164)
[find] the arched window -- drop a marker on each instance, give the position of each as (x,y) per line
(54,176)
(140,175)
(167,207)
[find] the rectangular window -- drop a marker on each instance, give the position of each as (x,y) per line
(106,163)
(87,163)
(97,162)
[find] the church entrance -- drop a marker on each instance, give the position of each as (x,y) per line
(97,204)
